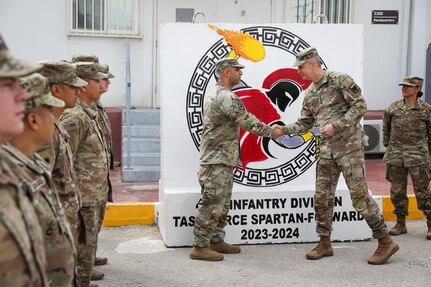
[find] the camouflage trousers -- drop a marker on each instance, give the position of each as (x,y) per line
(75,220)
(87,243)
(211,216)
(420,176)
(352,166)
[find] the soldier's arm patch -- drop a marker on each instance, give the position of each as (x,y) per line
(355,89)
(69,127)
(241,106)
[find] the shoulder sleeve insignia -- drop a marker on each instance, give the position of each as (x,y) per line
(354,88)
(70,126)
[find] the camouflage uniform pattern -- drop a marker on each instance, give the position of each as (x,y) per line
(224,115)
(227,63)
(85,58)
(105,126)
(407,136)
(336,99)
(102,118)
(91,166)
(102,68)
(216,182)
(58,241)
(59,157)
(22,254)
(89,152)
(58,72)
(88,70)
(38,88)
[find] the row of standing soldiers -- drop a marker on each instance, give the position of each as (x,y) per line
(55,158)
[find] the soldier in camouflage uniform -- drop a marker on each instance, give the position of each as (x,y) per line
(25,162)
(64,85)
(103,116)
(336,103)
(224,114)
(22,254)
(105,126)
(90,163)
(407,136)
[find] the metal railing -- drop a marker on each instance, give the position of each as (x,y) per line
(128,105)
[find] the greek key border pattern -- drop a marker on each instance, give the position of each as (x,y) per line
(268,36)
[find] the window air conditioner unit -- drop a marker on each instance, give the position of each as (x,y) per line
(374,130)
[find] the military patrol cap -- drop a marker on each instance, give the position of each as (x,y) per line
(227,63)
(85,58)
(94,59)
(37,87)
(412,81)
(103,68)
(305,55)
(88,70)
(61,72)
(13,67)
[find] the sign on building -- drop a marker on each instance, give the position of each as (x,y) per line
(274,185)
(384,16)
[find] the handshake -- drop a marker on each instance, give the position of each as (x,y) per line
(278,131)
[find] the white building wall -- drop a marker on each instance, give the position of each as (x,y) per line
(37,30)
(392,51)
(419,40)
(381,53)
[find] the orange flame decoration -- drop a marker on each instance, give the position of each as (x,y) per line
(242,44)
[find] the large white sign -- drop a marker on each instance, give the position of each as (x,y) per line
(275,175)
(262,217)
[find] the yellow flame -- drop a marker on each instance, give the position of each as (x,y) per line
(242,44)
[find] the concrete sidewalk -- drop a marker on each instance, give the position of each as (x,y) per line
(138,257)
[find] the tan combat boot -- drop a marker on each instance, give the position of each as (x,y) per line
(400,227)
(205,253)
(96,275)
(386,248)
(323,249)
(100,261)
(223,247)
(429,229)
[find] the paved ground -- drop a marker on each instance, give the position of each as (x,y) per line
(133,191)
(138,257)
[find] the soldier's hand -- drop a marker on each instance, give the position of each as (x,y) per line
(327,131)
(278,132)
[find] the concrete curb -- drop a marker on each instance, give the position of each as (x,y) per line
(129,213)
(388,207)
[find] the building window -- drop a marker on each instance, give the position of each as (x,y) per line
(334,11)
(112,18)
